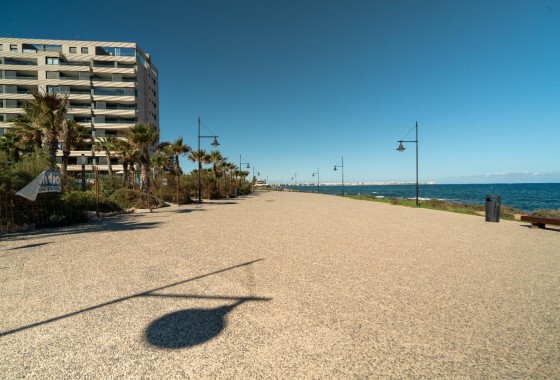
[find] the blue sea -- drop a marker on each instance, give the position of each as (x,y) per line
(527,197)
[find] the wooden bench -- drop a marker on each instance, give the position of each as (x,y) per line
(538,222)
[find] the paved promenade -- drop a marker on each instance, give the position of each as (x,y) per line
(282,285)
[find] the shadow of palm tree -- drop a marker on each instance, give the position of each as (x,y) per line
(125,222)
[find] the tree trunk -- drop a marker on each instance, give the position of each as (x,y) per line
(65,156)
(51,146)
(110,167)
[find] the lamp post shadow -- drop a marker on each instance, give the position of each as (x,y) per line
(190,327)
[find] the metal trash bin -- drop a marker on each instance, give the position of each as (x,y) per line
(492,208)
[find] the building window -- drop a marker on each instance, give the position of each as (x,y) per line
(1,47)
(53,61)
(53,75)
(73,50)
(84,50)
(13,47)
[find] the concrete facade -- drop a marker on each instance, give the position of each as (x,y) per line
(111,86)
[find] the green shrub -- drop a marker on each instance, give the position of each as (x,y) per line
(552,214)
(85,200)
(126,199)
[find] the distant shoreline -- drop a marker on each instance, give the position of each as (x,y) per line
(527,198)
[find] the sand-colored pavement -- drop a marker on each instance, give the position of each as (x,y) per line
(282,285)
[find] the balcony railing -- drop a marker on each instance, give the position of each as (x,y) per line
(22,77)
(68,92)
(114,92)
(16,92)
(73,63)
(70,78)
(125,108)
(97,79)
(22,63)
(115,121)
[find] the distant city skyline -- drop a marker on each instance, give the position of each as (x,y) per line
(294,86)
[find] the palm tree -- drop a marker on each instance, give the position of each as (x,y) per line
(127,156)
(47,111)
(201,157)
(216,159)
(108,146)
(159,161)
(142,138)
(73,135)
(10,145)
(229,169)
(30,135)
(176,149)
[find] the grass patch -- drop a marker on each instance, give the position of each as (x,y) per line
(506,212)
(552,214)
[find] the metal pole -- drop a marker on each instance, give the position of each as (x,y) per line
(97,191)
(417,204)
(199,165)
(343,176)
(83,157)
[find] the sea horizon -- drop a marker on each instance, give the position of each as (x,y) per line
(527,197)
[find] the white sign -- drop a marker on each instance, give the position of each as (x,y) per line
(46,182)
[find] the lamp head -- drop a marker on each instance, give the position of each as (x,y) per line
(334,168)
(215,142)
(401,148)
(248,166)
(313,175)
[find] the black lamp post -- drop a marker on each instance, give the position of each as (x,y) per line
(240,170)
(214,144)
(342,167)
(401,148)
(318,183)
(83,163)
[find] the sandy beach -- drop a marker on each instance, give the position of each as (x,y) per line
(282,285)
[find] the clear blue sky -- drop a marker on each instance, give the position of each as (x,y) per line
(294,85)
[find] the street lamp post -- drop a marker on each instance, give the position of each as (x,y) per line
(401,148)
(318,183)
(83,163)
(214,144)
(240,170)
(342,167)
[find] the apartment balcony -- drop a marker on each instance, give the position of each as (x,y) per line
(19,95)
(114,126)
(12,64)
(114,84)
(68,81)
(112,80)
(89,168)
(20,80)
(73,110)
(75,64)
(115,112)
(11,110)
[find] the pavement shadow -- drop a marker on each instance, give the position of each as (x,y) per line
(160,327)
(125,222)
(191,327)
(553,229)
(29,246)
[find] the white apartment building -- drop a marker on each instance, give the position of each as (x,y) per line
(110,85)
